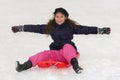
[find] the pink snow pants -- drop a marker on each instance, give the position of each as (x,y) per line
(64,55)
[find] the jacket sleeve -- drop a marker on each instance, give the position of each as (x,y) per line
(35,28)
(81,29)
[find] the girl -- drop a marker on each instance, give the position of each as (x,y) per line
(61,28)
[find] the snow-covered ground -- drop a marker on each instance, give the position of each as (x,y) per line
(100,54)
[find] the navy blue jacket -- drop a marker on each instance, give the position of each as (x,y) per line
(61,34)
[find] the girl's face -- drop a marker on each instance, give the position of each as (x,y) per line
(60,18)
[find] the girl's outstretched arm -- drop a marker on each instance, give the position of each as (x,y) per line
(29,28)
(81,29)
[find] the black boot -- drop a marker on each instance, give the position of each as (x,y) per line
(25,66)
(76,67)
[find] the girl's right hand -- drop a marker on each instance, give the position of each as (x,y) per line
(17,28)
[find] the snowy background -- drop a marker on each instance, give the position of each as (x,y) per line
(100,54)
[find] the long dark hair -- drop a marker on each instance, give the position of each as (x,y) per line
(51,22)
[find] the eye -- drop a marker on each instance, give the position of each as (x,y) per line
(61,16)
(57,16)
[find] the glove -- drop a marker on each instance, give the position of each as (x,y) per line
(17,28)
(104,30)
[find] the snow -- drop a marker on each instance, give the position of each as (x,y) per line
(100,54)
